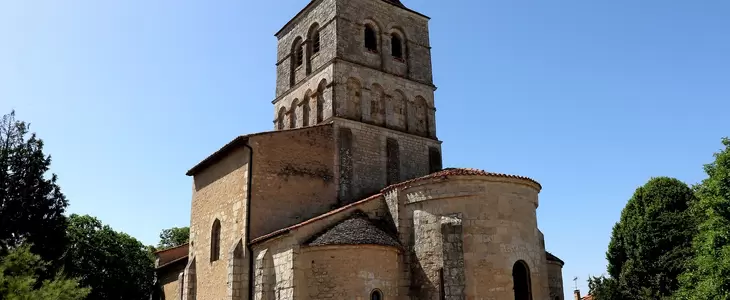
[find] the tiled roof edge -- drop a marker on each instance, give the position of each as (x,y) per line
(445,173)
(172,262)
(552,257)
(172,248)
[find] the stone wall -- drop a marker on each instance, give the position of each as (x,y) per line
(370,156)
(387,19)
(320,14)
(498,228)
(555,280)
(293,177)
(350,272)
(219,193)
(170,280)
(279,266)
(371,87)
(384,99)
(274,269)
(314,94)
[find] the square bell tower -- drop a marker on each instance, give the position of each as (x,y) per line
(365,66)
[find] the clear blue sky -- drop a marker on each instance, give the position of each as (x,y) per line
(591,98)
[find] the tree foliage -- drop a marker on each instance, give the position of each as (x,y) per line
(174,237)
(19,279)
(604,288)
(113,264)
(650,245)
(708,276)
(31,204)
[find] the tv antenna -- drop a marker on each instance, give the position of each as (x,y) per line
(575,281)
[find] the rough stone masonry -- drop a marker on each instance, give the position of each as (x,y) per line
(346,198)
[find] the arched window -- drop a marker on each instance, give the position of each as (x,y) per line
(315,41)
(293,114)
(299,55)
(306,108)
(421,113)
(396,112)
(396,46)
(280,118)
(354,92)
(320,101)
(215,241)
(376,295)
(377,105)
(297,58)
(371,40)
(521,280)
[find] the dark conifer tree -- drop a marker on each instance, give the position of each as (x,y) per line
(31,202)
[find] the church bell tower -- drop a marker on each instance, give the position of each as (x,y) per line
(364,66)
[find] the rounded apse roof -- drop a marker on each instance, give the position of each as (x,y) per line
(358,229)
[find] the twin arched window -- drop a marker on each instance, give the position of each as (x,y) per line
(371,42)
(215,241)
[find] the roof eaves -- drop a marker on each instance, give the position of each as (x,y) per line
(311,3)
(552,257)
(237,142)
(447,172)
(172,262)
(407,9)
(171,248)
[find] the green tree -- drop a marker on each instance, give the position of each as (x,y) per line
(18,279)
(650,245)
(708,276)
(174,237)
(31,203)
(604,288)
(113,264)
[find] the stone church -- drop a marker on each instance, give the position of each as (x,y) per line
(346,198)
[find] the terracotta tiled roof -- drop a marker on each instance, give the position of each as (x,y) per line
(445,173)
(551,257)
(171,255)
(358,229)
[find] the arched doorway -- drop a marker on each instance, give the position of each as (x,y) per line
(521,280)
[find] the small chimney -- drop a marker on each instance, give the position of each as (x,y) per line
(576,294)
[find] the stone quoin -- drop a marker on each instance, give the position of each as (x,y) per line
(346,198)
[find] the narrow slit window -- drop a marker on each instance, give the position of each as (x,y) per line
(215,241)
(299,55)
(371,42)
(396,46)
(315,42)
